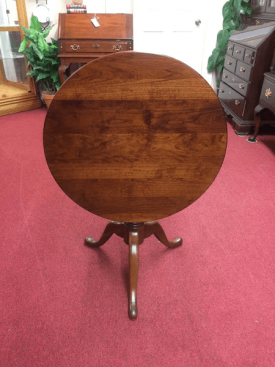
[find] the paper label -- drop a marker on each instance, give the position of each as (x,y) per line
(95,22)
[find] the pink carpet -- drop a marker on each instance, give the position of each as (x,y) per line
(208,303)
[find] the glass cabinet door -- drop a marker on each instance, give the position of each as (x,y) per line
(259,5)
(17,90)
(13,78)
(270,8)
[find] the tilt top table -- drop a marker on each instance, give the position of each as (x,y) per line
(135,137)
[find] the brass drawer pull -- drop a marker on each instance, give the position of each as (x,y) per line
(238,51)
(247,55)
(221,90)
(242,69)
(229,62)
(237,102)
(75,47)
(257,22)
(229,48)
(96,46)
(225,76)
(268,93)
(117,47)
(241,86)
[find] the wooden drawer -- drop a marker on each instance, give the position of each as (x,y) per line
(230,47)
(234,100)
(82,46)
(235,82)
(243,70)
(268,92)
(238,52)
(249,56)
(230,63)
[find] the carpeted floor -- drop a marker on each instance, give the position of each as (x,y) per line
(208,303)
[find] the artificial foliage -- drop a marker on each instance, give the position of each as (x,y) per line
(41,55)
(232,12)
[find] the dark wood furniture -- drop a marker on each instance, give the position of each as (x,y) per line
(249,56)
(133,138)
(80,41)
(267,101)
(263,12)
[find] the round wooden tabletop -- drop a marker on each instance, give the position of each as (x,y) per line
(135,137)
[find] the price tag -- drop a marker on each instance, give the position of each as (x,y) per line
(95,22)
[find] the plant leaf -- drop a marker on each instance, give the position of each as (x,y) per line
(226,8)
(46,32)
(243,9)
(25,30)
(57,85)
(36,50)
(42,76)
(220,68)
(32,73)
(42,44)
(222,39)
(35,24)
(210,64)
(23,45)
(249,10)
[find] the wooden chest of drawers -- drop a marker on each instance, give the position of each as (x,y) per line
(80,41)
(249,56)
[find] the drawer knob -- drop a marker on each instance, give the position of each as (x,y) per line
(225,76)
(229,48)
(237,102)
(229,62)
(241,86)
(242,69)
(221,90)
(268,93)
(75,47)
(257,22)
(238,51)
(117,47)
(247,55)
(96,46)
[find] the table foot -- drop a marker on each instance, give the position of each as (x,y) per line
(111,228)
(156,229)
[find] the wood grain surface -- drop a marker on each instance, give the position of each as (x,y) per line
(135,137)
(80,26)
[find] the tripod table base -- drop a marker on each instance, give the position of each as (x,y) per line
(133,235)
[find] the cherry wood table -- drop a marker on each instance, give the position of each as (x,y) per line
(135,137)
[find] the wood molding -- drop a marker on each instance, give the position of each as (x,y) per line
(22,13)
(19,104)
(17,85)
(10,29)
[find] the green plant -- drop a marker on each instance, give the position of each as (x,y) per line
(232,12)
(41,55)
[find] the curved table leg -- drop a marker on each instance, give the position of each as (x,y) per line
(133,273)
(257,118)
(156,229)
(111,228)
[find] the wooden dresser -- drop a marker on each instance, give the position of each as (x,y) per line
(80,41)
(249,56)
